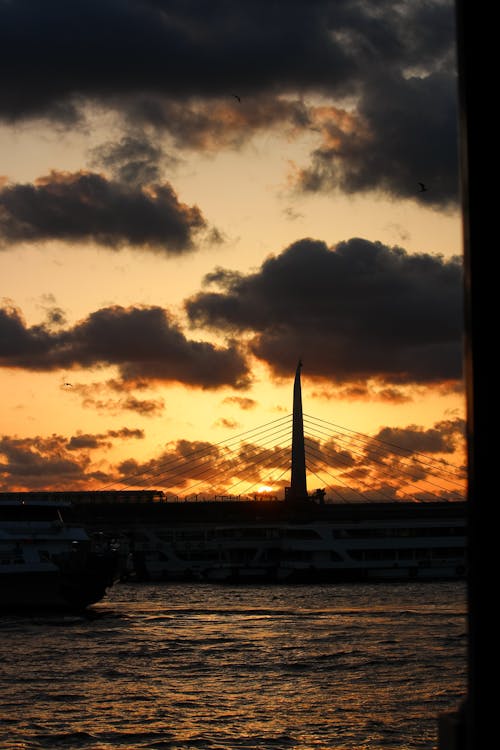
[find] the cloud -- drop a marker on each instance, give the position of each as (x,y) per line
(65,52)
(55,462)
(133,160)
(213,468)
(366,391)
(359,311)
(36,463)
(412,459)
(229,424)
(87,207)
(174,67)
(182,462)
(114,51)
(212,125)
(241,402)
(349,464)
(444,437)
(97,396)
(55,315)
(404,131)
(142,406)
(405,463)
(143,342)
(99,440)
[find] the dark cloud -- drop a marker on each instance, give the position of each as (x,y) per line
(64,52)
(366,391)
(96,50)
(142,342)
(360,311)
(87,442)
(133,160)
(55,462)
(412,137)
(17,342)
(55,315)
(97,396)
(213,125)
(93,441)
(443,437)
(145,407)
(37,463)
(175,65)
(87,207)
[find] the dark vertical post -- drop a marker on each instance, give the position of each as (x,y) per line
(298,487)
(471,727)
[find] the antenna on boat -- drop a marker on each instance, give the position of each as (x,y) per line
(298,488)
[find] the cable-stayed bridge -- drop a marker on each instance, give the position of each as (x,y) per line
(288,456)
(349,466)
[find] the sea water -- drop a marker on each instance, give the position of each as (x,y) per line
(190,666)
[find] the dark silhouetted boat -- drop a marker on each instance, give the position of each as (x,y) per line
(48,561)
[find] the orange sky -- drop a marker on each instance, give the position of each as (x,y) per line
(170,251)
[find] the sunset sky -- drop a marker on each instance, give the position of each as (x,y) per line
(193,197)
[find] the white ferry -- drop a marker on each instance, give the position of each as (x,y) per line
(47,561)
(393,541)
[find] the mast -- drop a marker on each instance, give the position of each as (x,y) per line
(298,487)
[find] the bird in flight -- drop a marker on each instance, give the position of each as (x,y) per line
(422,187)
(237,97)
(69,385)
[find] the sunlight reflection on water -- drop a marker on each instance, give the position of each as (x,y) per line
(200,666)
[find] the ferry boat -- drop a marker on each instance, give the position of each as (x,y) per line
(390,541)
(47,561)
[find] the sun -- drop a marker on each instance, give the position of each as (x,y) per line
(264,488)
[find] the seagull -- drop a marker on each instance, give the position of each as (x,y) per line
(69,385)
(237,97)
(422,187)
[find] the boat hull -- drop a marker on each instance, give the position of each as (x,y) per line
(272,575)
(56,589)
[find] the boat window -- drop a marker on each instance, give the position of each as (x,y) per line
(272,554)
(373,554)
(203,556)
(190,535)
(297,555)
(165,536)
(441,553)
(398,532)
(406,554)
(302,534)
(335,557)
(241,555)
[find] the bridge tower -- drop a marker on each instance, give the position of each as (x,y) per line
(297,491)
